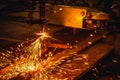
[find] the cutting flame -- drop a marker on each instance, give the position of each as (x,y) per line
(43,35)
(40,34)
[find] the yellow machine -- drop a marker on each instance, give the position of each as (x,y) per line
(75,17)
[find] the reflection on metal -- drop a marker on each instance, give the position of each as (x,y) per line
(97,15)
(76,17)
(65,15)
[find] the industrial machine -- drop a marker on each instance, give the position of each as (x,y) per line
(65,15)
(75,17)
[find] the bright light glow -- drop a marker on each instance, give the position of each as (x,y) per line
(31,67)
(85,56)
(60,9)
(42,35)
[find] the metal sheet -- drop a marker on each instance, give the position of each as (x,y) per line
(65,15)
(99,16)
